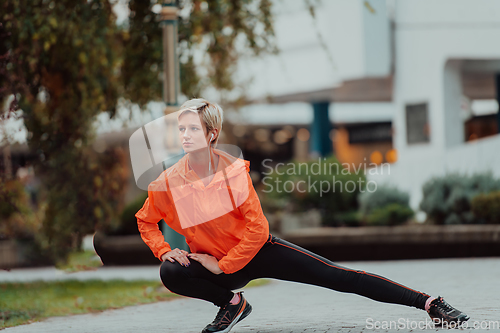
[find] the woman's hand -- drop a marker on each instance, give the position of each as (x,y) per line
(178,255)
(209,262)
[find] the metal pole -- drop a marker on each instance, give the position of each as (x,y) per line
(171,75)
(171,84)
(497,88)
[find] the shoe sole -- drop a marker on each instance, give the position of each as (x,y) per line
(245,313)
(240,317)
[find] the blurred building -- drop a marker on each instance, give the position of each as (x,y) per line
(447,66)
(414,83)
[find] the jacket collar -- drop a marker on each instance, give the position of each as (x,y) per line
(231,165)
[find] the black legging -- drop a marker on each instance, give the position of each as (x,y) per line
(283,260)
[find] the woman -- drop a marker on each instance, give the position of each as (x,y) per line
(208,197)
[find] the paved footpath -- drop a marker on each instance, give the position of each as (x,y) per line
(472,285)
(102,273)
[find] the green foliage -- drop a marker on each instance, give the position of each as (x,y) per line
(220,24)
(349,219)
(383,196)
(20,222)
(61,67)
(12,198)
(486,207)
(83,200)
(447,199)
(142,54)
(81,261)
(391,214)
(17,220)
(128,221)
(385,206)
(298,185)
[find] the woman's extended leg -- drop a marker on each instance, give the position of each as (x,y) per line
(286,261)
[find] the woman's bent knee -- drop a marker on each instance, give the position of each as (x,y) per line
(171,274)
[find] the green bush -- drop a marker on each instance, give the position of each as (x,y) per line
(447,199)
(385,206)
(22,223)
(13,198)
(486,207)
(349,219)
(17,220)
(128,222)
(289,187)
(383,196)
(391,214)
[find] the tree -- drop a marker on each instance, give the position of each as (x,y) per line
(62,66)
(66,61)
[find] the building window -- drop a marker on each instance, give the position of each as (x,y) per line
(417,123)
(368,133)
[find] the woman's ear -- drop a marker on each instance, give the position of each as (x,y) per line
(213,135)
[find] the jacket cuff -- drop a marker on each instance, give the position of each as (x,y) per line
(163,251)
(222,266)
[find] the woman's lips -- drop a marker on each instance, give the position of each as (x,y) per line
(187,143)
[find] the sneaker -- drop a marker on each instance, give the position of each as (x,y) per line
(228,316)
(443,313)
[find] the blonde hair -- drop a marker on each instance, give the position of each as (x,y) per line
(210,113)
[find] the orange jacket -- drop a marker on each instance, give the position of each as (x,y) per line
(224,219)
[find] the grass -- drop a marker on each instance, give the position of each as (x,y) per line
(22,303)
(81,261)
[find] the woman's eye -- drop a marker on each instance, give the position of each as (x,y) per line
(194,128)
(181,129)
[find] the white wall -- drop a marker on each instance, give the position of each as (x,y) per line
(432,36)
(347,39)
(272,114)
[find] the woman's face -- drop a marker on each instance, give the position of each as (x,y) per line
(192,133)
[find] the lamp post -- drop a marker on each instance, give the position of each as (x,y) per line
(171,77)
(497,88)
(171,84)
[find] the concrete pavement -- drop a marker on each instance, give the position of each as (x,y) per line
(471,285)
(102,273)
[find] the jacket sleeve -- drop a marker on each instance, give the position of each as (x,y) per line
(255,235)
(147,221)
